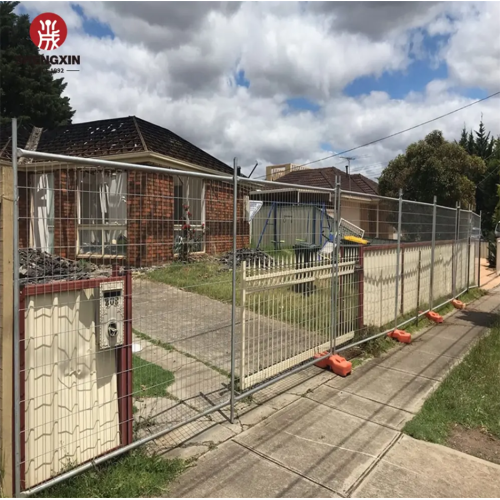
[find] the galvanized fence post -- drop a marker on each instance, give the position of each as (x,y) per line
(16,338)
(469,245)
(398,255)
(479,251)
(433,252)
(335,269)
(455,251)
(233,301)
(418,286)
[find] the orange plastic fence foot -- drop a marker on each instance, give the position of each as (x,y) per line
(434,316)
(339,365)
(400,336)
(458,304)
(323,363)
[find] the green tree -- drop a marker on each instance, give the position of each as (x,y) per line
(28,91)
(431,167)
(471,144)
(487,195)
(463,139)
(483,146)
(496,214)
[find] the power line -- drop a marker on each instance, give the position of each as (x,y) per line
(402,131)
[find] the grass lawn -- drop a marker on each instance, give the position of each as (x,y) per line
(149,380)
(204,278)
(131,476)
(469,396)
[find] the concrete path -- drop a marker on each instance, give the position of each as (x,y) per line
(336,437)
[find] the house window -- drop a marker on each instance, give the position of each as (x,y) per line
(189,191)
(42,212)
(102,221)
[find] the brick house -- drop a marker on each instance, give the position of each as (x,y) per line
(131,216)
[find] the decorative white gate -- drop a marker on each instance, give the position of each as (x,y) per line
(287,314)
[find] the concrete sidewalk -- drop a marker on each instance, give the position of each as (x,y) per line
(341,437)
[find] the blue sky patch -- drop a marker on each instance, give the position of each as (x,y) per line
(473,93)
(93,27)
(423,69)
(326,146)
(297,104)
(398,84)
(241,80)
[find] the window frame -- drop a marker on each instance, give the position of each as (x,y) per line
(102,228)
(196,227)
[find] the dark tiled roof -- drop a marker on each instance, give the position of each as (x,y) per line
(162,141)
(325,178)
(101,138)
(115,136)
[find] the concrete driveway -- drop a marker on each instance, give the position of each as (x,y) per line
(201,327)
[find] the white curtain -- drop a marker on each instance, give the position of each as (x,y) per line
(115,210)
(42,220)
(115,195)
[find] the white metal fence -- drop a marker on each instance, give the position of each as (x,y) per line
(147,303)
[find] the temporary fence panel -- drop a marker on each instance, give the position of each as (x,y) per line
(204,326)
(167,235)
(285,314)
(379,265)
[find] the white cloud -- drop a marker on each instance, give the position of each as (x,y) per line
(177,71)
(473,53)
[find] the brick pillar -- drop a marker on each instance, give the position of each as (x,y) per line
(219,218)
(150,214)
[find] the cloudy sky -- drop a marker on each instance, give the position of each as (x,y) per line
(279,82)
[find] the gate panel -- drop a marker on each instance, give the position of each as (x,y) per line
(286,313)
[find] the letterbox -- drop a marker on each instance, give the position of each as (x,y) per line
(110,315)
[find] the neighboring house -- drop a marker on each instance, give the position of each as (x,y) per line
(275,172)
(360,205)
(78,211)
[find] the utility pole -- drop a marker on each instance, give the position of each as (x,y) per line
(348,168)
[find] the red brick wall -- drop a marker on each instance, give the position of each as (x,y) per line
(219,218)
(150,228)
(150,213)
(24,209)
(65,212)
